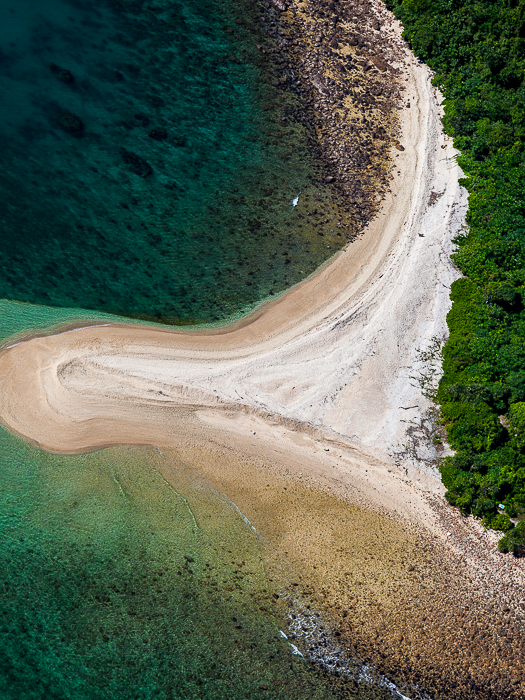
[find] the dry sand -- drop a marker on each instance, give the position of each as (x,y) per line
(334,354)
(324,368)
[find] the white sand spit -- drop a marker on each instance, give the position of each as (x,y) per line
(334,354)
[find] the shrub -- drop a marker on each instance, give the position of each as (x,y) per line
(516,422)
(477,52)
(500,521)
(514,540)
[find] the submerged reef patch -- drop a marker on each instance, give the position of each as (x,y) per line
(181,163)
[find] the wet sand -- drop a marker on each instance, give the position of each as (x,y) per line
(398,579)
(335,352)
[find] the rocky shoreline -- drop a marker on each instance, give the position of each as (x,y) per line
(445,621)
(450,620)
(349,83)
(440,631)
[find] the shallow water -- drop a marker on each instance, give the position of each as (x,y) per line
(149,167)
(116,584)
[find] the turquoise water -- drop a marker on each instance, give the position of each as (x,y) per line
(150,160)
(108,585)
(115,584)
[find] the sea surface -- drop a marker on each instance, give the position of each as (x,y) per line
(149,169)
(150,163)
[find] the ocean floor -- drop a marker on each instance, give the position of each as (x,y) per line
(149,168)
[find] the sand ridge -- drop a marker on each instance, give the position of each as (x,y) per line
(297,409)
(335,352)
(309,389)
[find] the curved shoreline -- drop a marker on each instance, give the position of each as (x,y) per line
(276,360)
(330,360)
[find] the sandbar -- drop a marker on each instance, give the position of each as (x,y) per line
(313,388)
(334,353)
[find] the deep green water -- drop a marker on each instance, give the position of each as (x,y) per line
(174,199)
(112,586)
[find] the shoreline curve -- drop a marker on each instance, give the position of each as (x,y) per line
(306,356)
(323,354)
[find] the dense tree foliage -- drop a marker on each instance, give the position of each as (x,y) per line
(477,50)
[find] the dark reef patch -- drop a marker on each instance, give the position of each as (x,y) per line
(153,153)
(344,72)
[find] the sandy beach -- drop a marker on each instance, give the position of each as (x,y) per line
(335,352)
(325,367)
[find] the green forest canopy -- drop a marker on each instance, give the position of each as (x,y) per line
(477,52)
